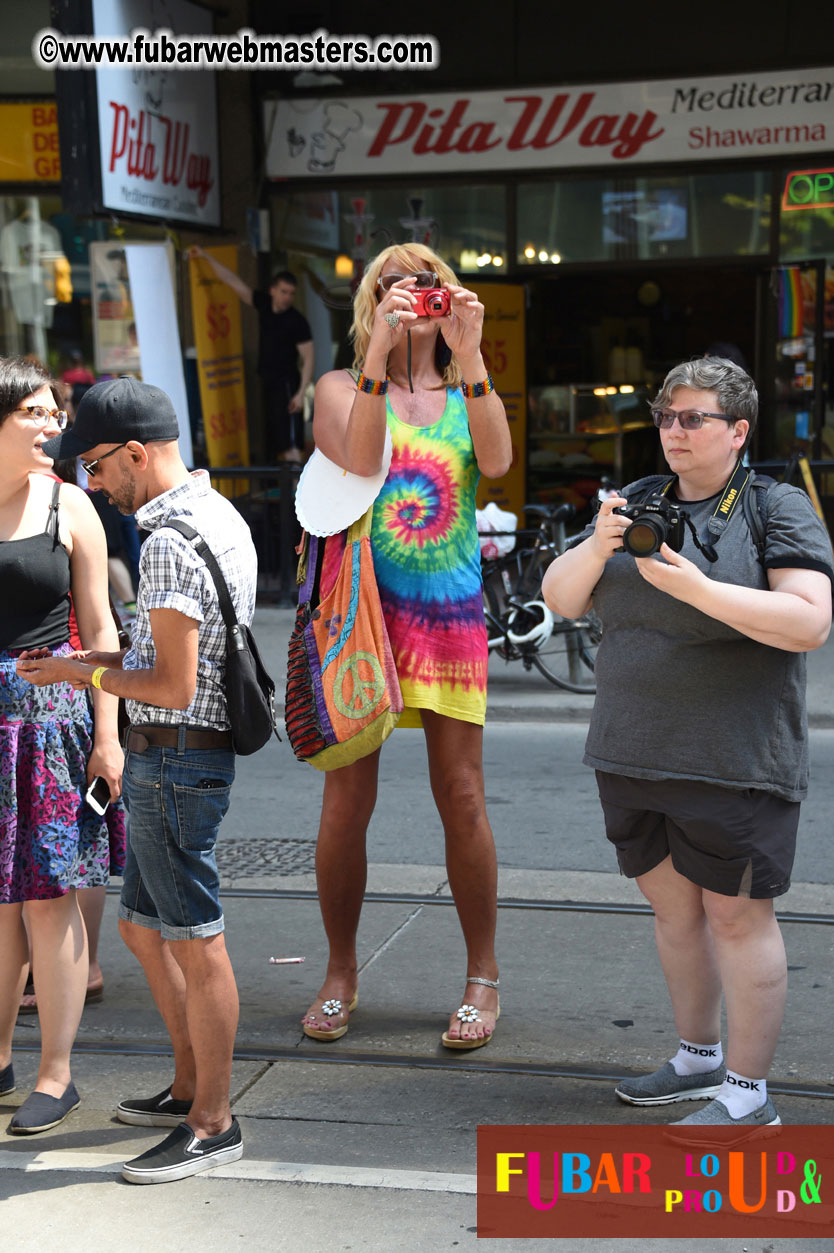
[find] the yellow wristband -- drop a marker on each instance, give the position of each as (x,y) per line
(97,673)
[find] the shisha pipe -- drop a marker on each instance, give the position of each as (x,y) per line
(422,228)
(334,296)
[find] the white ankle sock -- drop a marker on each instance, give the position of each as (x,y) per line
(742,1095)
(697,1059)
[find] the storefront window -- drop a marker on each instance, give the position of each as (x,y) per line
(666,216)
(806,223)
(49,287)
(465,225)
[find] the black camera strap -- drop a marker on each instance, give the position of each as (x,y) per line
(724,510)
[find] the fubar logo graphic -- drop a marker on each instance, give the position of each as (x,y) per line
(579,1181)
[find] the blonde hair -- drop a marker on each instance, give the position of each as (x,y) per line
(411,257)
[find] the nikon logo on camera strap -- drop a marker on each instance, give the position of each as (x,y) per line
(722,513)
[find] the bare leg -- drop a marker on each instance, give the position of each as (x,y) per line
(686,952)
(341,872)
(457,780)
(13,968)
(211,1007)
(91,902)
(167,984)
(754,973)
(59,955)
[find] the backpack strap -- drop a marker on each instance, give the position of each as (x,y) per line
(757,517)
(651,483)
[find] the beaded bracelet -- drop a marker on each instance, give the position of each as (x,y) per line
(96,677)
(374,387)
(472,390)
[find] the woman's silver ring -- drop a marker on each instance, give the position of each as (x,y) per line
(393,319)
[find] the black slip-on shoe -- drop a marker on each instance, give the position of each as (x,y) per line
(182,1154)
(40,1112)
(7,1083)
(153,1111)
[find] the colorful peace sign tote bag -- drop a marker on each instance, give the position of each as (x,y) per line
(343,696)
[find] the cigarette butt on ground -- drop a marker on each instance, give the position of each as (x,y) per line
(285,961)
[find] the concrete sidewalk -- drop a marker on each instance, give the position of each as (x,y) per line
(369,1142)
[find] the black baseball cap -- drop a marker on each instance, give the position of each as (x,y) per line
(114,412)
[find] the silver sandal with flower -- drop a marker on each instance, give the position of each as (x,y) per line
(471,1014)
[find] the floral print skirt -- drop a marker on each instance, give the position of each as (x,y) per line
(50,839)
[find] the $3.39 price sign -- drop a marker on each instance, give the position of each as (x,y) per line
(503,350)
(219,344)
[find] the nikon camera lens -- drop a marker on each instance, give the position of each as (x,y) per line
(645,535)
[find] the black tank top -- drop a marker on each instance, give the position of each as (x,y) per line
(35,587)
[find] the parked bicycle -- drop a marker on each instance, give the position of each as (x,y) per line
(520,627)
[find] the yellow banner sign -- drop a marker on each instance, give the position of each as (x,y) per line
(29,143)
(219,343)
(503,347)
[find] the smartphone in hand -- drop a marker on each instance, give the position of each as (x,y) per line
(98,795)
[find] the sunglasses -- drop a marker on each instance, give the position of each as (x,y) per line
(690,419)
(422,278)
(40,415)
(89,467)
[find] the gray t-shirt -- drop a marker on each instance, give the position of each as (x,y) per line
(683,696)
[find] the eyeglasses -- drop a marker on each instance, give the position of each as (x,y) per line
(40,415)
(89,467)
(690,419)
(422,278)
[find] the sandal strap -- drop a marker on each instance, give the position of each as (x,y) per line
(487,983)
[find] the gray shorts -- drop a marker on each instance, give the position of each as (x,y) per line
(736,842)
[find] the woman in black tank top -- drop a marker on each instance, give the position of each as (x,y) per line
(52,842)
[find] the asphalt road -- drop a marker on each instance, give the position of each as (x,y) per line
(542,802)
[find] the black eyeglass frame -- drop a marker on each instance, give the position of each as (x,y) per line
(89,467)
(685,418)
(33,412)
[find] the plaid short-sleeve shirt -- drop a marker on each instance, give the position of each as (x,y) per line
(173,576)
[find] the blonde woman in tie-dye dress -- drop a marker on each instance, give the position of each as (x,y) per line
(446,433)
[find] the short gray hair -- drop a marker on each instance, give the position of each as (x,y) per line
(734,389)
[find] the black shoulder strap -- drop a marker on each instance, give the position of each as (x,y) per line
(651,483)
(52,514)
(200,546)
(757,517)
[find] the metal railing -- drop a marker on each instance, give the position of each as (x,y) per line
(265,495)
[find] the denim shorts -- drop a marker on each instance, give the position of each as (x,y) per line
(175,802)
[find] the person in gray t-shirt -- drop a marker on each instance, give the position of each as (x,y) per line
(698,734)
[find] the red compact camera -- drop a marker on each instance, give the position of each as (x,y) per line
(434,302)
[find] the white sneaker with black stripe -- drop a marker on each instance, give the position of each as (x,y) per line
(183,1153)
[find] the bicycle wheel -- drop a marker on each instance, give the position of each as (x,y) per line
(567,657)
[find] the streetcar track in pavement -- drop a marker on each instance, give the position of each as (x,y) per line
(400,1061)
(519,903)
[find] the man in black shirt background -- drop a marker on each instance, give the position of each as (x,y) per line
(285,342)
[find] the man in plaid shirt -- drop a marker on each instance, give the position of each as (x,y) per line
(179,762)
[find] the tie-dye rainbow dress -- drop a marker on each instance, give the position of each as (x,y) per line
(428,568)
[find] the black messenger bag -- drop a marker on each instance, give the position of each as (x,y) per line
(250,692)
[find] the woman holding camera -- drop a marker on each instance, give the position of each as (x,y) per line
(447,426)
(51,841)
(698,732)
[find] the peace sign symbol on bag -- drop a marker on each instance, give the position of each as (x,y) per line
(361,695)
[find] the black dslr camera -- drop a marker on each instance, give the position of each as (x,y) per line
(654,521)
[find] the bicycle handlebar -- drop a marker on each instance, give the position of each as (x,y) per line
(553,513)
